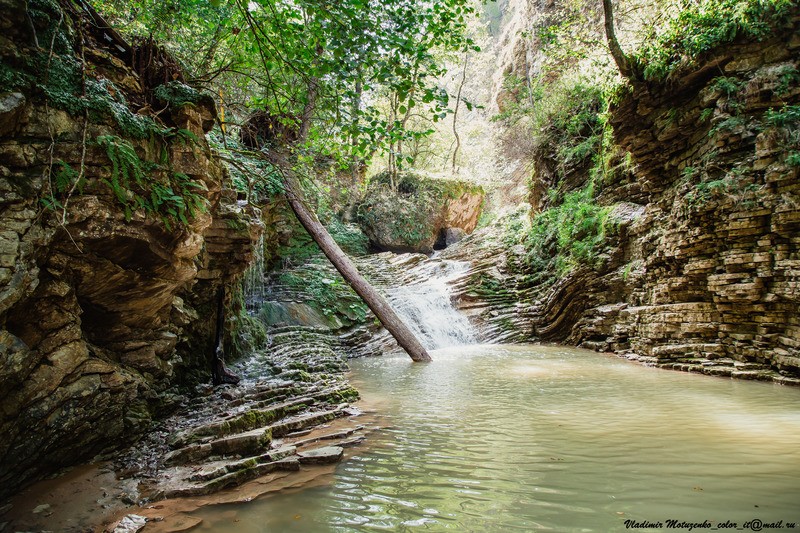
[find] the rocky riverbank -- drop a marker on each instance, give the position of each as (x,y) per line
(296,415)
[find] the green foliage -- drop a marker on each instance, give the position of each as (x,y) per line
(786,121)
(250,172)
(516,226)
(706,189)
(324,290)
(736,184)
(408,217)
(729,86)
(788,76)
(732,90)
(364,68)
(125,164)
(710,23)
(787,116)
(569,125)
(64,179)
(103,99)
(50,27)
(61,79)
(568,122)
(298,248)
(60,76)
(706,114)
(177,94)
(172,196)
(349,237)
(248,333)
(12,78)
(569,234)
(729,124)
(410,206)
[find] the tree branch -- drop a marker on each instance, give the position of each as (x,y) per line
(623,62)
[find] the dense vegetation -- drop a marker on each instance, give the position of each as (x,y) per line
(558,113)
(343,80)
(339,83)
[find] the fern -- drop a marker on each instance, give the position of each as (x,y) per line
(64,180)
(125,164)
(174,199)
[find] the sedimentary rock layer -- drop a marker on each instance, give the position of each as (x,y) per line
(103,305)
(702,272)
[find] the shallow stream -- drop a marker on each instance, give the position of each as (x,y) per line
(532,438)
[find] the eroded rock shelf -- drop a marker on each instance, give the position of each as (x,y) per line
(229,435)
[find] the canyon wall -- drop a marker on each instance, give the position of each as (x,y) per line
(108,298)
(700,270)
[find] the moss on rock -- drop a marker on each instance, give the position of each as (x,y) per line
(411,213)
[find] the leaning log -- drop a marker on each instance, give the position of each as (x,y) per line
(374,300)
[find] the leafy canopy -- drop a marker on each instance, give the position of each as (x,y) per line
(323,68)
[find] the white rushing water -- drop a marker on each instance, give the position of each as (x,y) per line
(254,286)
(426,307)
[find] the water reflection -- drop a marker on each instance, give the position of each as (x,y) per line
(500,438)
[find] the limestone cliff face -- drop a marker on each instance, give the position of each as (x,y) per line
(702,272)
(717,244)
(102,311)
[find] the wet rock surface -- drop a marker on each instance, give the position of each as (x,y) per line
(291,415)
(104,309)
(273,421)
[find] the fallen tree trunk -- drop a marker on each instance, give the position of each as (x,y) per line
(374,300)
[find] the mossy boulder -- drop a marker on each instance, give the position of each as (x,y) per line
(413,213)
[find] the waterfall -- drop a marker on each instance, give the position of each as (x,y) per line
(254,283)
(418,288)
(424,304)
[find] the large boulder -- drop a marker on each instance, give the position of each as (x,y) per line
(413,213)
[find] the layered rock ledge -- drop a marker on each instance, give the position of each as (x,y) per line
(701,271)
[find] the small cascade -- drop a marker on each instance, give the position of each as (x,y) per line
(254,283)
(419,289)
(424,304)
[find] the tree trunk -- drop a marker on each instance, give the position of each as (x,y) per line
(377,303)
(455,112)
(622,60)
(294,194)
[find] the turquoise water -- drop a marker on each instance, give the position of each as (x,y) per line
(532,438)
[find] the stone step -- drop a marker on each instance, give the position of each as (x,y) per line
(261,415)
(214,471)
(321,456)
(328,436)
(759,375)
(248,443)
(283,428)
(233,479)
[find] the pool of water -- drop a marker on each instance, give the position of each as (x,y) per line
(536,438)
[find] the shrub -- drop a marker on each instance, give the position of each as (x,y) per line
(706,25)
(569,234)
